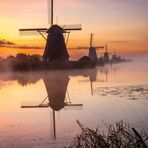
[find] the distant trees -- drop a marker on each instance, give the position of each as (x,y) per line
(10,58)
(35,58)
(21,57)
(20,62)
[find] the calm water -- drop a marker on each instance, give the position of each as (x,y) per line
(113,93)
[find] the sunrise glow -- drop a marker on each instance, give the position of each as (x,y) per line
(120,24)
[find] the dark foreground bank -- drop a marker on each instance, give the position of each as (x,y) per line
(121,135)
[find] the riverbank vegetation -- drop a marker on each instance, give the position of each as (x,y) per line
(19,62)
(24,62)
(121,135)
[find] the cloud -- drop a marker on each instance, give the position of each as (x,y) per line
(118,41)
(25,47)
(5,43)
(9,44)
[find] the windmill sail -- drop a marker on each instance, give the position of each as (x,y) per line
(87,47)
(91,40)
(91,44)
(35,31)
(64,27)
(50,11)
(71,27)
(32,31)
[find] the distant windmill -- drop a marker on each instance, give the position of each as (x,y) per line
(106,58)
(106,55)
(55,49)
(92,49)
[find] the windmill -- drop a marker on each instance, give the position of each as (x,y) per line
(92,49)
(106,54)
(55,49)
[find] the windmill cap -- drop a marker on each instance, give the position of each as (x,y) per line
(55,29)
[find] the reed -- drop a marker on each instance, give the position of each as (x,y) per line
(121,135)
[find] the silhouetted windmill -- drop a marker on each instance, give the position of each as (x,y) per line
(106,54)
(55,49)
(92,49)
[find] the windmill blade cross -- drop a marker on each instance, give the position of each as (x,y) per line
(91,44)
(35,31)
(87,47)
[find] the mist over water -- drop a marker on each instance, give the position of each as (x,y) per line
(111,93)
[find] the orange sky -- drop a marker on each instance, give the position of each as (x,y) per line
(123,25)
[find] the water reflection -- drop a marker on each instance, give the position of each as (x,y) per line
(60,80)
(70,89)
(56,85)
(94,76)
(108,69)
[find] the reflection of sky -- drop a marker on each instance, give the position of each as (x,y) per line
(33,126)
(123,24)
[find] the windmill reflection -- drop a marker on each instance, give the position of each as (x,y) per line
(56,85)
(92,75)
(56,90)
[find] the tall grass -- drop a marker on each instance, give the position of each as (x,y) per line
(121,135)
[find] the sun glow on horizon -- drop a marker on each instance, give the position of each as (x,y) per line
(124,31)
